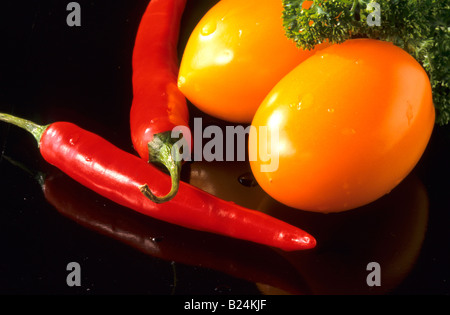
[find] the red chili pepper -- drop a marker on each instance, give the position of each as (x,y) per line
(158,106)
(120,176)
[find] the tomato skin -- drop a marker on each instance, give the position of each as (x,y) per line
(353,121)
(234,56)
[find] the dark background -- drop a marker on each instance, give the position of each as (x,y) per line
(51,72)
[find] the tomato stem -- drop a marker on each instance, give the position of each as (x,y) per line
(163,149)
(33,128)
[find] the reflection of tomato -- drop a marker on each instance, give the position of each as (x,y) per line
(389,231)
(231,181)
(235,55)
(353,120)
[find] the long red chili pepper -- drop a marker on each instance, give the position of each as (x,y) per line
(120,176)
(158,106)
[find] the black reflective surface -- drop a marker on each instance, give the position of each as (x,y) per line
(52,72)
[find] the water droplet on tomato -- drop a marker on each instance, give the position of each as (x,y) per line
(181,81)
(208,28)
(225,57)
(305,101)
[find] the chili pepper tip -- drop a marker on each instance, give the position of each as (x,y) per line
(303,242)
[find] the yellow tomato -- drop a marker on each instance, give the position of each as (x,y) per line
(352,122)
(235,55)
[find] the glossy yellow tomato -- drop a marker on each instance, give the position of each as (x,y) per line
(352,121)
(234,56)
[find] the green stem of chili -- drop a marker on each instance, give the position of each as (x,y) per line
(164,150)
(33,128)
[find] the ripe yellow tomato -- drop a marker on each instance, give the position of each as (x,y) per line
(352,121)
(234,57)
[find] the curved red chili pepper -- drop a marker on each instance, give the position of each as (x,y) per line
(120,176)
(158,106)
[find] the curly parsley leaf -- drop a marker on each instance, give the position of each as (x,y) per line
(420,27)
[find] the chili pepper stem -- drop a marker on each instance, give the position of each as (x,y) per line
(163,149)
(33,128)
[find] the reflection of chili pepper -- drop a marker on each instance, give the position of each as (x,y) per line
(169,242)
(158,106)
(119,176)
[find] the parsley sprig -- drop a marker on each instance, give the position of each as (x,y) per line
(420,27)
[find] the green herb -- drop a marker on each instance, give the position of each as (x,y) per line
(420,27)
